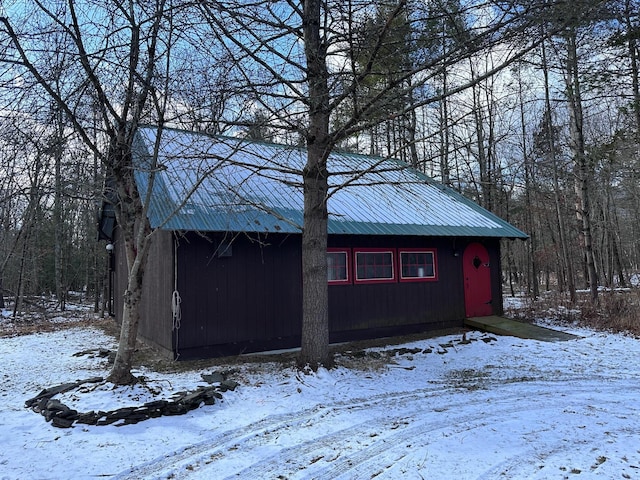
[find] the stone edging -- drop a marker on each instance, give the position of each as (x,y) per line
(62,416)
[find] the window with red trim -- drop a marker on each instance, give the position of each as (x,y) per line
(374,265)
(417,265)
(338,266)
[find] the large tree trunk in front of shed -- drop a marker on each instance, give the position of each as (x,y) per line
(315,292)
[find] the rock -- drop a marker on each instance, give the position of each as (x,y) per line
(65,387)
(89,418)
(95,352)
(215,377)
(62,422)
(228,385)
(175,409)
(56,406)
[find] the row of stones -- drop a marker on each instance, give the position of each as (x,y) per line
(62,416)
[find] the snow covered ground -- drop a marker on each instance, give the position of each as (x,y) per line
(495,407)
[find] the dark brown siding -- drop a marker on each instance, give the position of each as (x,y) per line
(361,311)
(155,314)
(250,300)
(156,321)
(247,301)
(493,246)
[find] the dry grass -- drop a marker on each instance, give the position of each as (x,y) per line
(616,310)
(38,324)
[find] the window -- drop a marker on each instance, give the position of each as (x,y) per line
(378,265)
(374,265)
(417,265)
(338,271)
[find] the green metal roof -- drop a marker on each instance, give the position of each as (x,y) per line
(214,183)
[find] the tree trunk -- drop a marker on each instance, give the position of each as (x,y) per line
(315,293)
(581,167)
(614,234)
(136,232)
(630,12)
(564,246)
(121,371)
(58,221)
(445,174)
(17,306)
(413,149)
(99,275)
(532,248)
(478,117)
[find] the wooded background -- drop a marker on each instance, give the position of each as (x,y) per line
(531,109)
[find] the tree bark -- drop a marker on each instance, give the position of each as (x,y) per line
(58,214)
(581,167)
(136,232)
(443,132)
(632,45)
(121,371)
(315,292)
(529,182)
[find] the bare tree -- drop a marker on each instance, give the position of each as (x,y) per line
(551,149)
(115,52)
(582,171)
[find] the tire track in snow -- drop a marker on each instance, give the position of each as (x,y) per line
(271,424)
(563,449)
(308,457)
(390,442)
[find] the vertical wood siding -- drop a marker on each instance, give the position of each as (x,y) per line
(361,311)
(155,316)
(252,299)
(244,302)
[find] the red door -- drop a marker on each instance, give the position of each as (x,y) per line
(477,281)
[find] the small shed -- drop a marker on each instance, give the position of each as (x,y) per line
(406,254)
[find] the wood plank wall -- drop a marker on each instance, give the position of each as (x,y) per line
(250,299)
